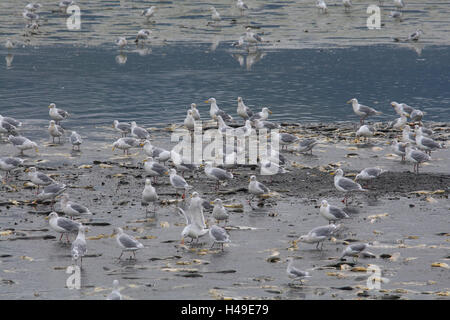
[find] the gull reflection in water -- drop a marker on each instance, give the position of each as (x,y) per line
(9,59)
(121,58)
(250,59)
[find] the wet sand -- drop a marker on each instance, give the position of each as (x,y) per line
(404,215)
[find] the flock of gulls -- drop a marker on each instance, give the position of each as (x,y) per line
(415,145)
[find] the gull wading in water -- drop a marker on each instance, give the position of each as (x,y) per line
(122,127)
(149,12)
(75,140)
(294,273)
(318,235)
(218,235)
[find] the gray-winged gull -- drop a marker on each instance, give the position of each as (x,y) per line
(73,209)
(57,114)
(55,131)
(63,225)
(215,111)
(369,173)
(262,115)
(12,121)
(332,213)
(159,154)
(189,121)
(38,178)
(178,182)
(75,140)
(115,293)
(22,143)
(139,132)
(354,250)
(122,127)
(218,235)
(294,273)
(51,191)
(399,148)
(126,144)
(256,188)
(126,242)
(219,212)
(217,174)
(408,136)
(149,12)
(242,110)
(79,246)
(345,184)
(318,235)
(192,229)
(416,156)
(426,144)
(362,111)
(154,169)
(149,195)
(306,145)
(10,163)
(365,131)
(285,139)
(195,112)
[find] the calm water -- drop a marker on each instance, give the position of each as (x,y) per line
(157,87)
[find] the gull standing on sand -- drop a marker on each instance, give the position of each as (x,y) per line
(215,111)
(219,211)
(38,178)
(122,127)
(217,174)
(79,246)
(22,143)
(139,132)
(369,173)
(75,140)
(126,242)
(354,250)
(346,185)
(178,182)
(408,136)
(149,195)
(115,293)
(192,229)
(306,145)
(50,192)
(332,213)
(159,154)
(218,235)
(416,156)
(10,163)
(365,131)
(256,188)
(55,131)
(294,273)
(12,121)
(126,144)
(154,169)
(182,164)
(318,235)
(285,139)
(399,148)
(57,114)
(362,111)
(63,225)
(242,110)
(426,144)
(73,209)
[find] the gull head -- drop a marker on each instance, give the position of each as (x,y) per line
(52,105)
(148,182)
(324,203)
(352,101)
(217,202)
(211,100)
(253,178)
(52,215)
(266,110)
(193,106)
(117,231)
(172,171)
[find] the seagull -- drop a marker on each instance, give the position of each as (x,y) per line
(416,156)
(322,6)
(242,110)
(79,247)
(345,184)
(76,140)
(262,124)
(149,12)
(139,132)
(399,123)
(263,115)
(195,112)
(216,111)
(126,144)
(251,37)
(369,173)
(50,192)
(30,16)
(7,127)
(115,293)
(238,43)
(423,131)
(399,148)
(154,169)
(122,127)
(182,164)
(217,174)
(38,178)
(9,44)
(73,209)
(55,131)
(122,42)
(63,225)
(142,35)
(365,131)
(408,136)
(307,145)
(244,131)
(223,128)
(241,6)
(33,6)
(64,4)
(219,211)
(285,139)
(157,153)
(396,15)
(426,144)
(332,213)
(362,110)
(178,182)
(416,115)
(57,114)
(354,250)
(269,168)
(189,121)
(9,163)
(415,35)
(347,4)
(14,122)
(399,4)
(256,188)
(218,235)
(318,235)
(22,143)
(192,229)
(126,242)
(295,273)
(149,195)
(401,108)
(215,16)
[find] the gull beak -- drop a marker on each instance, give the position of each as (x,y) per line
(112,125)
(46,218)
(270,111)
(349,101)
(113,148)
(333,173)
(201,165)
(34,202)
(294,242)
(26,170)
(49,107)
(167,172)
(37,150)
(141,144)
(206,101)
(212,202)
(145,160)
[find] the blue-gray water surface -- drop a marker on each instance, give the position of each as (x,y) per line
(157,87)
